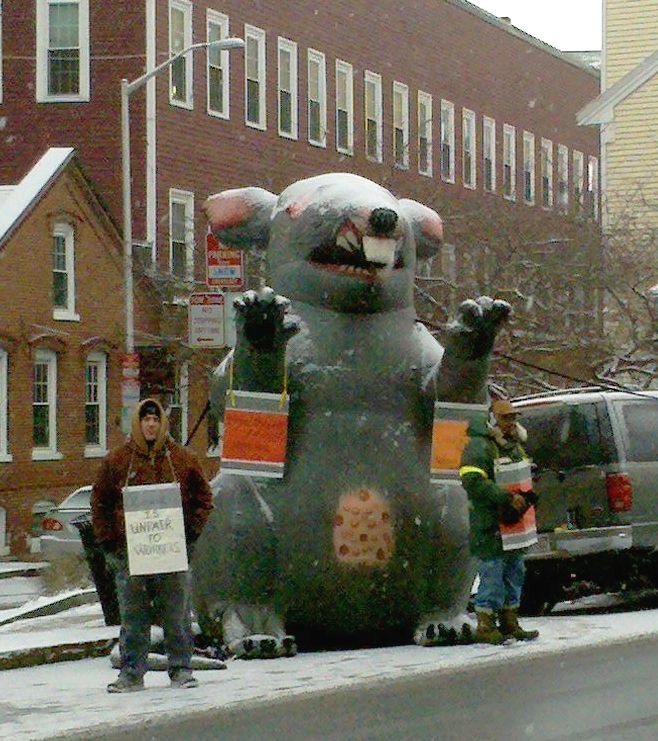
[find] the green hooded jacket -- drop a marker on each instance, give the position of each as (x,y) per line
(478,479)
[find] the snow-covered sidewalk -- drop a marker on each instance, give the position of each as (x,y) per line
(44,702)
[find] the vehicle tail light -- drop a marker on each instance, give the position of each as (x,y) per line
(51,524)
(620,492)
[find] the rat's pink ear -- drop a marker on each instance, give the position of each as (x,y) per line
(241,217)
(427,227)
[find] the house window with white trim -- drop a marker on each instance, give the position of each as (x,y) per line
(64,273)
(317,99)
(96,404)
(44,406)
(424,133)
(468,149)
(4,407)
(254,94)
(180,37)
(489,153)
(401,125)
(447,141)
(373,115)
(562,176)
(344,107)
(181,234)
(217,77)
(62,51)
(593,187)
(578,179)
(287,88)
(546,173)
(509,162)
(178,404)
(528,168)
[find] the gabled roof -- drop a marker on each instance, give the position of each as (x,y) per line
(19,200)
(601,109)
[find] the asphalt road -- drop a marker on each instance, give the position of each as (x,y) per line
(603,693)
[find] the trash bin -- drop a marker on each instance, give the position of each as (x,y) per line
(103,578)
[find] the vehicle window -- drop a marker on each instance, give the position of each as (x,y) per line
(641,421)
(80,499)
(548,428)
(583,446)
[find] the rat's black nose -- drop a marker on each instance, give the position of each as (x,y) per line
(382,221)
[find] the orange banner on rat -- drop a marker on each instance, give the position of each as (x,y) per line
(255,434)
(449,437)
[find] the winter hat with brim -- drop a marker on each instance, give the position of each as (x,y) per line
(504,408)
(141,410)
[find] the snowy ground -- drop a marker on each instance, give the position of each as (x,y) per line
(49,701)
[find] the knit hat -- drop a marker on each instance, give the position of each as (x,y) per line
(149,407)
(503,408)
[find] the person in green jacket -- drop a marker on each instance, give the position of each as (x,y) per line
(501,572)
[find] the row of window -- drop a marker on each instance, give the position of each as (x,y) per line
(45,404)
(63,74)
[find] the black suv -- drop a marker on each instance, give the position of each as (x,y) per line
(595,455)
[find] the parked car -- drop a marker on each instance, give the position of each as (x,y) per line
(59,536)
(595,455)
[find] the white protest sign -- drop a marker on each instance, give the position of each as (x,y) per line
(155,529)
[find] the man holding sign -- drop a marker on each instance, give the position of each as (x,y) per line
(149,504)
(495,472)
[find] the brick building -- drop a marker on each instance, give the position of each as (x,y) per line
(435,99)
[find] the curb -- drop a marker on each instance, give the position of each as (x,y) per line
(22,658)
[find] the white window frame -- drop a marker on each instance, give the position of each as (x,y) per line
(315,57)
(214,19)
(49,452)
(529,159)
(578,179)
(181,390)
(187,199)
(99,359)
(184,7)
(375,80)
(5,457)
(469,128)
(344,68)
(401,93)
(258,35)
(563,176)
(546,173)
(67,314)
(425,126)
(42,44)
(448,138)
(489,148)
(290,47)
(593,185)
(509,159)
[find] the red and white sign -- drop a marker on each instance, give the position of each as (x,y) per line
(206,320)
(224,267)
(130,365)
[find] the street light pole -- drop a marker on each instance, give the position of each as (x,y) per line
(127,88)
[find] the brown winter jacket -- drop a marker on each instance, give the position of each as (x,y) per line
(134,463)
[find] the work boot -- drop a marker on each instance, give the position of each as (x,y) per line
(126,683)
(183,678)
(486,631)
(510,628)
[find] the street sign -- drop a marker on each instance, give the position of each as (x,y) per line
(129,388)
(206,320)
(224,267)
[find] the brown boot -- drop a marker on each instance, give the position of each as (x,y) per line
(510,628)
(487,632)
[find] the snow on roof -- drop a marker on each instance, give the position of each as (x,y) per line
(18,200)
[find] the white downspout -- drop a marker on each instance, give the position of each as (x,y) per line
(151,183)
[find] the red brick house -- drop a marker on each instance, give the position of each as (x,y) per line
(435,99)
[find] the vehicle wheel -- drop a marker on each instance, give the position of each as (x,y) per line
(540,591)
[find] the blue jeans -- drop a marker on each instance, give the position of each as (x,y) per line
(166,599)
(501,582)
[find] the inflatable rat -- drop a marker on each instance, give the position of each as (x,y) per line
(353,546)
